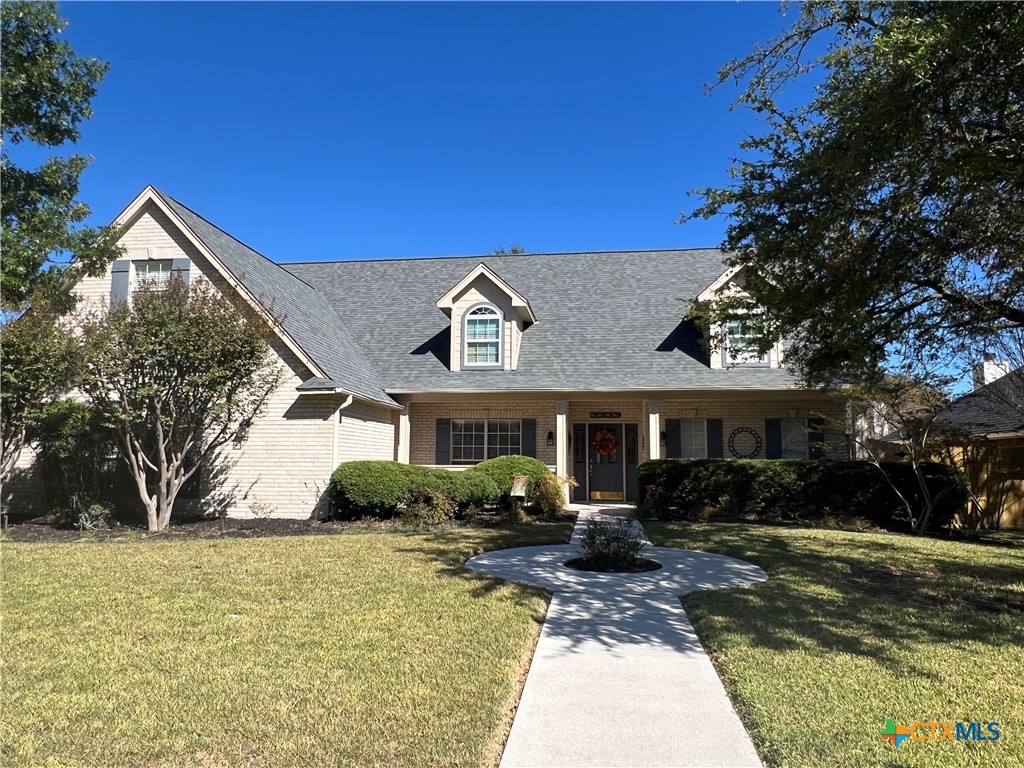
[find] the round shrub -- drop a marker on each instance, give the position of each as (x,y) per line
(504,469)
(473,489)
(371,488)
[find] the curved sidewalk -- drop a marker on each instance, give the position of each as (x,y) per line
(619,677)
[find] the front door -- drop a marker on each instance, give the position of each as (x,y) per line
(607,473)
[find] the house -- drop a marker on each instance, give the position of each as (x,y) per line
(583,360)
(992,419)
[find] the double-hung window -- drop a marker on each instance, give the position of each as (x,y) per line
(794,438)
(152,274)
(474,440)
(740,345)
(693,442)
(482,338)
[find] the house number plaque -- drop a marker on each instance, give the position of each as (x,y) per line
(605,415)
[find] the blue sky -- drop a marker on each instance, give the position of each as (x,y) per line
(320,131)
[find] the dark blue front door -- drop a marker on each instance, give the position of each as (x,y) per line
(607,457)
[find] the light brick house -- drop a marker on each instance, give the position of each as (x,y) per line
(583,360)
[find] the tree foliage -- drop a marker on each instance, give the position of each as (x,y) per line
(177,373)
(887,214)
(39,361)
(46,90)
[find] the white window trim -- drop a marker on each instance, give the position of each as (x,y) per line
(463,462)
(729,362)
(705,433)
(465,338)
(133,273)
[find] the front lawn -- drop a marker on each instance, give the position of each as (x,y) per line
(854,628)
(315,650)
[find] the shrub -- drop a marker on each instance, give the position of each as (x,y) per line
(504,469)
(548,498)
(382,489)
(785,490)
(428,506)
(75,451)
(611,546)
(370,488)
(473,489)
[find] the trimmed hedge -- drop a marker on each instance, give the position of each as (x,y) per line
(504,469)
(382,488)
(791,490)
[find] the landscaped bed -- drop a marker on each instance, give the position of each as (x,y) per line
(316,650)
(854,628)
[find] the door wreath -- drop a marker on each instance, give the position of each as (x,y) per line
(605,443)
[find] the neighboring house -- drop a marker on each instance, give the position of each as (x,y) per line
(992,419)
(582,360)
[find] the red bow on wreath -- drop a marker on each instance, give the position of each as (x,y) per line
(605,442)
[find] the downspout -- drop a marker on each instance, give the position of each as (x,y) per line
(336,418)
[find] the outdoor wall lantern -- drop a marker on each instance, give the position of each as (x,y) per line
(664,438)
(551,438)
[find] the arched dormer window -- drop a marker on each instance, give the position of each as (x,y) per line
(482,337)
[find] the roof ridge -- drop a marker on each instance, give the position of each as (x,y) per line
(502,256)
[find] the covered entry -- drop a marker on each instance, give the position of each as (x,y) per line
(605,457)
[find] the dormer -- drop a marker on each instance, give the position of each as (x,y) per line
(488,318)
(730,345)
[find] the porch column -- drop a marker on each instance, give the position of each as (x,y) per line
(562,443)
(404,432)
(654,429)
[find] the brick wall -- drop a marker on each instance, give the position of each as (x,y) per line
(365,433)
(752,413)
(423,423)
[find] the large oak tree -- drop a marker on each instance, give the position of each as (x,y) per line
(886,215)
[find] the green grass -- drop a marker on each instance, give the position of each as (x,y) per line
(317,650)
(852,628)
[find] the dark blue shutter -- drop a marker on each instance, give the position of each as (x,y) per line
(443,442)
(119,275)
(673,439)
(816,438)
(529,438)
(715,447)
(579,460)
(179,269)
(773,438)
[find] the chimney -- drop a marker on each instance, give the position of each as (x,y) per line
(988,370)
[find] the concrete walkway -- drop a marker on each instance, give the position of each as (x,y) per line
(619,677)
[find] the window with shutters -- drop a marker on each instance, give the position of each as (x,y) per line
(151,274)
(474,440)
(482,337)
(794,438)
(693,443)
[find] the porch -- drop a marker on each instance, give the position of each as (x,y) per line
(600,441)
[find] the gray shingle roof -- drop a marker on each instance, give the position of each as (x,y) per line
(303,312)
(607,321)
(996,408)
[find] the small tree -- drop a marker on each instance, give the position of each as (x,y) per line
(38,364)
(178,373)
(897,421)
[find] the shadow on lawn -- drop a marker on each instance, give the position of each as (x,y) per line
(452,554)
(862,594)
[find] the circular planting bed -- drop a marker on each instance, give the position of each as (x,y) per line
(640,565)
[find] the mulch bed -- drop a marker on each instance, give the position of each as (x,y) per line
(41,529)
(640,565)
